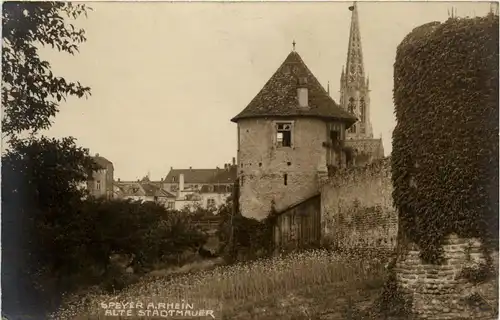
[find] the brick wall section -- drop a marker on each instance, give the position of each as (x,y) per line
(261,165)
(438,291)
(357,209)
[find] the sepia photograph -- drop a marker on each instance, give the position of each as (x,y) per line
(250,160)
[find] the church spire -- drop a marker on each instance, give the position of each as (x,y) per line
(355,70)
(354,87)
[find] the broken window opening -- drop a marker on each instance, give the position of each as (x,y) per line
(284,135)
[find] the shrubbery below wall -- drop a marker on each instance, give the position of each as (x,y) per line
(445,144)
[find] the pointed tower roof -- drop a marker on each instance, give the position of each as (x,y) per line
(355,69)
(278,97)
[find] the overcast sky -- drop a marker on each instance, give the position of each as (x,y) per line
(167,78)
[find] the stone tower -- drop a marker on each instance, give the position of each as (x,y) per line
(355,98)
(288,133)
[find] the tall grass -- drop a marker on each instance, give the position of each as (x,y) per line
(226,287)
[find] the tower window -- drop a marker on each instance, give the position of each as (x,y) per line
(352,129)
(285,179)
(284,135)
(98,185)
(334,135)
(350,106)
(362,109)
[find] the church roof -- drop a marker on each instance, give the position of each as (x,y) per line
(278,97)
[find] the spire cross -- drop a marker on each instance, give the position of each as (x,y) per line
(293,43)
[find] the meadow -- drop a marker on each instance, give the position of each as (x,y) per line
(297,286)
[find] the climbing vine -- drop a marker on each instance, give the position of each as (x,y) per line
(445,144)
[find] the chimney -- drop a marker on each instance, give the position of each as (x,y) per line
(96,154)
(161,179)
(181,182)
(234,161)
(190,168)
(225,165)
(303,93)
(171,168)
(118,179)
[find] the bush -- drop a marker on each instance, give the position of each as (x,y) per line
(245,238)
(445,144)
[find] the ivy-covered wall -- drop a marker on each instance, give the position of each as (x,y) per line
(445,143)
(445,168)
(356,207)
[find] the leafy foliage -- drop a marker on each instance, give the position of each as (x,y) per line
(393,301)
(54,236)
(30,91)
(445,144)
(40,176)
(40,191)
(250,238)
(479,273)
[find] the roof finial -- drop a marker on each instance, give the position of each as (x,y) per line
(328,87)
(293,43)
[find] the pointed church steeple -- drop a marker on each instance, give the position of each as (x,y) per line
(355,69)
(354,92)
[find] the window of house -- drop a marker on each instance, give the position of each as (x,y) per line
(170,205)
(242,178)
(285,179)
(284,134)
(210,202)
(173,188)
(98,185)
(173,179)
(352,129)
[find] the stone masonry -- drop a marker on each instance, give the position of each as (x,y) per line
(357,209)
(440,292)
(262,166)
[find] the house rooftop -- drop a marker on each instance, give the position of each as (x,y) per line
(278,97)
(204,176)
(101,161)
